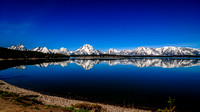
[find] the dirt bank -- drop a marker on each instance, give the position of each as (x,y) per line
(59,101)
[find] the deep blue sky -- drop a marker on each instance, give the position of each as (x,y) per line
(120,24)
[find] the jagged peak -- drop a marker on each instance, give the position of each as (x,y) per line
(45,47)
(39,47)
(62,48)
(87,46)
(112,49)
(18,47)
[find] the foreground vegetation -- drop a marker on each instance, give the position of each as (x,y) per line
(171,107)
(30,103)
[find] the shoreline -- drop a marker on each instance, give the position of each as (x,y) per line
(59,101)
(2,59)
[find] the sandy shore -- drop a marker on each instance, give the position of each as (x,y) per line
(54,100)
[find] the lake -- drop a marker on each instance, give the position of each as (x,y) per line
(144,83)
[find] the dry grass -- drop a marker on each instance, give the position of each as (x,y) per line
(62,102)
(29,103)
(90,107)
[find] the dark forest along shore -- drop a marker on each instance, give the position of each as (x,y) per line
(144,83)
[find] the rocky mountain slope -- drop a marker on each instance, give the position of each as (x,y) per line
(18,47)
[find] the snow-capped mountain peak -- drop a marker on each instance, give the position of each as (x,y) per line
(62,50)
(143,51)
(87,50)
(113,51)
(125,52)
(170,50)
(46,50)
(41,49)
(18,47)
(165,51)
(87,47)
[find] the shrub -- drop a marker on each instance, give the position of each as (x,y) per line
(171,107)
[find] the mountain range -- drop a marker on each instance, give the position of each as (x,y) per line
(140,51)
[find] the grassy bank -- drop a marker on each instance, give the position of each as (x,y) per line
(29,103)
(22,99)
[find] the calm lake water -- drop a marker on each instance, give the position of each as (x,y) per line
(139,82)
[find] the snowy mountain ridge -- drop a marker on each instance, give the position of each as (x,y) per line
(87,50)
(139,51)
(41,49)
(18,47)
(113,52)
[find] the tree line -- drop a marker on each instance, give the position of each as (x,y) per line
(9,53)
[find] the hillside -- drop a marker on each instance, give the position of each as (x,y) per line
(9,53)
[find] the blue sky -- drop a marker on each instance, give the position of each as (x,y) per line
(120,24)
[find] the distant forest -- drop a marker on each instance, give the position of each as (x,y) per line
(8,53)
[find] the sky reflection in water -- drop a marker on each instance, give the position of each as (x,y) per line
(138,82)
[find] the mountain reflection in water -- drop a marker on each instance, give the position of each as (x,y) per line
(111,81)
(88,64)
